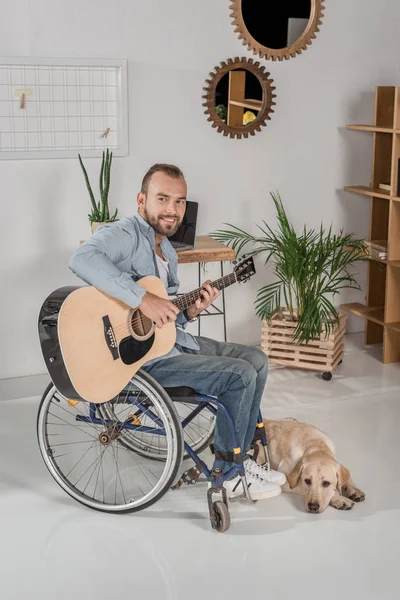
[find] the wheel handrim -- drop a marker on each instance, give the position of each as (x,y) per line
(93,465)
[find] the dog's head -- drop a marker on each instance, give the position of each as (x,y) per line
(319,475)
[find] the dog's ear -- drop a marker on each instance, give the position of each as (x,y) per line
(294,476)
(343,475)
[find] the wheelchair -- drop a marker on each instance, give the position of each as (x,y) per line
(124,455)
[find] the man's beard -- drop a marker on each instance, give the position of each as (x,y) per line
(162,228)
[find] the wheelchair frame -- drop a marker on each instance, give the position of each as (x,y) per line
(218,509)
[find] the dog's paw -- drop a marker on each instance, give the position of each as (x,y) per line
(342,503)
(357,496)
(354,494)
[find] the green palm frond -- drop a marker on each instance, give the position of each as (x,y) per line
(309,267)
(268,300)
(236,237)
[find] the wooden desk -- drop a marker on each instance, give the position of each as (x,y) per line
(208,250)
(205,250)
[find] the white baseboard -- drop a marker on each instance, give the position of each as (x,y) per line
(23,387)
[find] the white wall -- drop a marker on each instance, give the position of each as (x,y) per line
(304,152)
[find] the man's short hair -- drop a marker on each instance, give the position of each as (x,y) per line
(170,170)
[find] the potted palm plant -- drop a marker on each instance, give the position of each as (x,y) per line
(301,326)
(100,212)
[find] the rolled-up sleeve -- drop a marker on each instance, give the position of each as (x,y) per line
(96,259)
(181,320)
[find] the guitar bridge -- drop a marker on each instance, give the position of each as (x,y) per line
(110,337)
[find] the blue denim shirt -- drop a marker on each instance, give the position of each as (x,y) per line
(121,253)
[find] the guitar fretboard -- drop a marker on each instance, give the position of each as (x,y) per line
(190,298)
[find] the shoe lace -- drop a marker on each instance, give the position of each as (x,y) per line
(255,469)
(252,478)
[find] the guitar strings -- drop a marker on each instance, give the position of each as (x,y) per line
(139,319)
(136,320)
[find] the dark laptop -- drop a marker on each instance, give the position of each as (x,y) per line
(185,236)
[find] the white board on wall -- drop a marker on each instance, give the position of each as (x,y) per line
(69,106)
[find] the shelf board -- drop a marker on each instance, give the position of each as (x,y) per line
(380,245)
(394,326)
(254,104)
(368,191)
(376,247)
(375,128)
(391,263)
(372,313)
(380,260)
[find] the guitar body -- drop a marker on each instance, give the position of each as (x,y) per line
(93,344)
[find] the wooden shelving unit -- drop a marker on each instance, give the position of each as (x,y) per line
(382,308)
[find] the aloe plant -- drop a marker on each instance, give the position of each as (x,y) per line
(310,268)
(100,211)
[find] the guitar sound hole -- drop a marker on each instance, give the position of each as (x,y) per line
(141,325)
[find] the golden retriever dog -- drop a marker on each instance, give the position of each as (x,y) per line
(306,456)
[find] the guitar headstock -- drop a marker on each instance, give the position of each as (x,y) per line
(245,269)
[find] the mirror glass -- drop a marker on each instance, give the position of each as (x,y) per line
(276,24)
(239,98)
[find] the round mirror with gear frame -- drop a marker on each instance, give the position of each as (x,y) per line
(277,30)
(239,97)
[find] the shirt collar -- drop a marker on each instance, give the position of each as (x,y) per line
(144,226)
(149,231)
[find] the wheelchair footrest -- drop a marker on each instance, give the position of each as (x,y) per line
(189,477)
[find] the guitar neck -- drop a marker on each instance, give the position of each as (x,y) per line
(190,298)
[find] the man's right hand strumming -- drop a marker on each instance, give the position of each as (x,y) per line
(159,310)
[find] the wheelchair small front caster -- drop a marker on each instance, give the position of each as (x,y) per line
(221,520)
(327,376)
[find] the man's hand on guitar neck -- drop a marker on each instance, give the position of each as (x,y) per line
(162,311)
(159,310)
(209,294)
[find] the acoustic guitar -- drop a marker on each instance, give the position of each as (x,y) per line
(93,344)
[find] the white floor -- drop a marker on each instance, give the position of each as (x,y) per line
(53,548)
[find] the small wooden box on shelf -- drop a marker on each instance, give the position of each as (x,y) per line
(382,309)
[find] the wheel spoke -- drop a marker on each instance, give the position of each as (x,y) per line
(82,457)
(113,472)
(72,425)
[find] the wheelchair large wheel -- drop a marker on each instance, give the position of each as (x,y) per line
(82,447)
(198,433)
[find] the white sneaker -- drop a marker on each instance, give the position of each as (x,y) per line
(259,489)
(264,473)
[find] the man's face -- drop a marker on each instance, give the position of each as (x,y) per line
(164,205)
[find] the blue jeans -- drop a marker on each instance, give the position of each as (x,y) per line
(234,373)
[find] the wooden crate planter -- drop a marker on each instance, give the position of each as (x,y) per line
(320,354)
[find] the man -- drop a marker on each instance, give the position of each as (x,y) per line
(120,254)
